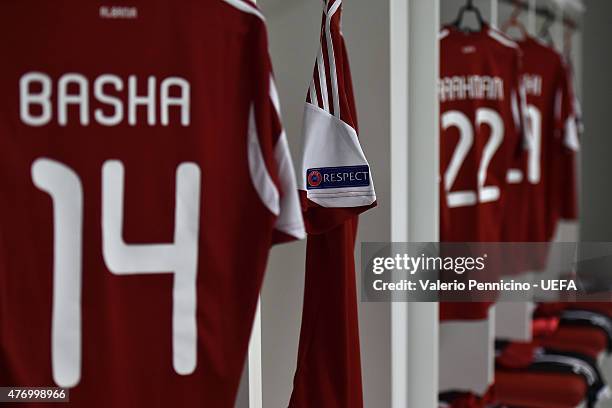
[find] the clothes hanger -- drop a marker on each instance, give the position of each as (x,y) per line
(514,22)
(544,33)
(469,6)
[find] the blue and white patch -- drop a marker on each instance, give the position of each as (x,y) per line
(337,177)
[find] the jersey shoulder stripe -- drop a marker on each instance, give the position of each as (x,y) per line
(443,34)
(331,4)
(502,39)
(543,43)
(246,6)
(330,33)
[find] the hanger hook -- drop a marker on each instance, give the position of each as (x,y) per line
(517,11)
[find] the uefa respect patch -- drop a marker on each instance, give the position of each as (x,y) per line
(337,177)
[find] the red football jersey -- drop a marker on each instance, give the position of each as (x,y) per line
(144,177)
(337,186)
(481,139)
(481,131)
(569,115)
(547,190)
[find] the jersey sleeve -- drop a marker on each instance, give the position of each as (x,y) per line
(270,164)
(567,146)
(336,181)
(520,141)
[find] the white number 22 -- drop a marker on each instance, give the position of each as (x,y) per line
(180,258)
(485,194)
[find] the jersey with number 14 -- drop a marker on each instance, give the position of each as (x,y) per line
(144,175)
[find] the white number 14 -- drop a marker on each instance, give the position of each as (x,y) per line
(179,258)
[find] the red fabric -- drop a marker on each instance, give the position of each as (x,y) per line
(464,310)
(478,216)
(544,326)
(549,184)
(604,308)
(463,56)
(329,369)
(469,400)
(516,355)
(539,390)
(555,309)
(566,188)
(589,341)
(127,344)
(328,373)
(552,309)
(518,387)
